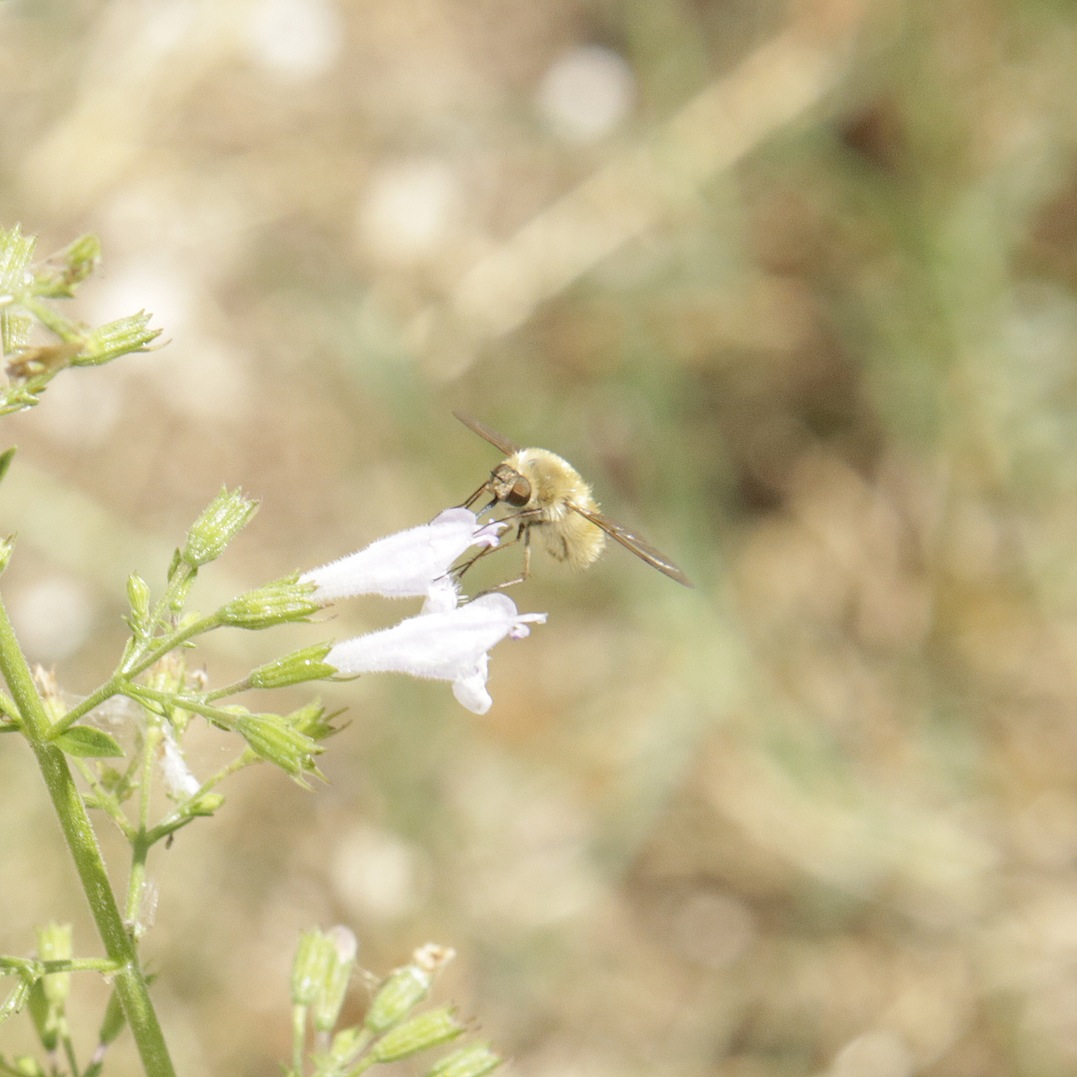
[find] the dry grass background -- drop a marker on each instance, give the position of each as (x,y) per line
(795,285)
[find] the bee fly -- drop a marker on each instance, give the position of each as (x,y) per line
(550,498)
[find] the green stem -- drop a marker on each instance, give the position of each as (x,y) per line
(225,719)
(69,1048)
(299,1039)
(103,799)
(103,965)
(63,327)
(138,664)
(177,819)
(110,688)
(227,690)
(130,981)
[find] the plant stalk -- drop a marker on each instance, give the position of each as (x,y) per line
(130,982)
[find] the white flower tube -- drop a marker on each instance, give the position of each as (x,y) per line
(181,783)
(405,564)
(448,645)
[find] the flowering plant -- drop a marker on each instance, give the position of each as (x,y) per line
(449,639)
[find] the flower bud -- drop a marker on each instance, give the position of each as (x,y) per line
(276,603)
(422,1032)
(206,804)
(80,260)
(334,984)
(225,516)
(312,721)
(402,990)
(113,339)
(138,598)
(272,738)
(313,956)
(344,1048)
(82,257)
(25,1066)
(475,1060)
(294,668)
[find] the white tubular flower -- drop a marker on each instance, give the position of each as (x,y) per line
(405,564)
(448,645)
(181,783)
(442,595)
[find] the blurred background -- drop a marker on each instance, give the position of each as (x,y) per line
(793,284)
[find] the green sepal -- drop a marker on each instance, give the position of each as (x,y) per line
(294,668)
(337,976)
(274,740)
(222,519)
(206,804)
(420,1033)
(401,991)
(279,602)
(475,1060)
(80,260)
(138,598)
(113,339)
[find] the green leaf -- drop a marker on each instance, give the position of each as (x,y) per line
(83,740)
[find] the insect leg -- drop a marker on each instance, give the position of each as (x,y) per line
(459,572)
(524,532)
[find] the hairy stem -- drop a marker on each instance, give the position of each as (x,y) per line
(82,842)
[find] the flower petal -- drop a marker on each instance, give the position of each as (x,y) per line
(450,645)
(470,689)
(406,563)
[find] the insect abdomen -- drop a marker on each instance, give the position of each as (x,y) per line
(575,540)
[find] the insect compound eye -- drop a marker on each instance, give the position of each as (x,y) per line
(520,493)
(508,485)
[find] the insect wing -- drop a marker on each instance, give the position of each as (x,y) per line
(643,550)
(499,441)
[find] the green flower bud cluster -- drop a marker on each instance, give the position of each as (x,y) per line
(27,293)
(142,712)
(391,1030)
